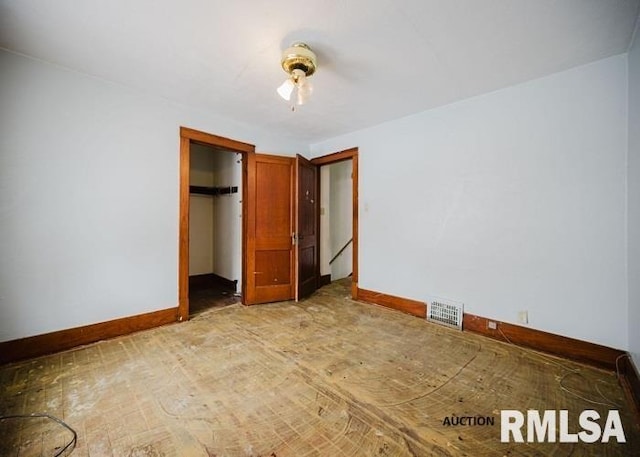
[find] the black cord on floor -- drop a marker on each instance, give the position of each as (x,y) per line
(70,445)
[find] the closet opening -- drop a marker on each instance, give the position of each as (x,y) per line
(212,244)
(215,227)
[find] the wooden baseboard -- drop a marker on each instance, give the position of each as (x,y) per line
(570,348)
(48,343)
(630,380)
(324,280)
(212,279)
(406,305)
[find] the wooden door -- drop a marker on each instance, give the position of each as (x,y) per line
(270,266)
(307,245)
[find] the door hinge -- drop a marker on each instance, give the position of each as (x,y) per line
(294,238)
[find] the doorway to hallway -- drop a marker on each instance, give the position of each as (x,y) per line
(338,226)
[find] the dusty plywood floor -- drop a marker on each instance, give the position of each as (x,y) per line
(323,377)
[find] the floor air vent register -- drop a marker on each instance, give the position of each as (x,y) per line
(445,313)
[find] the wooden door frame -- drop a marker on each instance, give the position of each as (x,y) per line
(187,137)
(341,156)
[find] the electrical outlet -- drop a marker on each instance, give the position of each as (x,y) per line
(492,325)
(523,317)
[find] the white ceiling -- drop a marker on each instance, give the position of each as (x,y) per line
(377,60)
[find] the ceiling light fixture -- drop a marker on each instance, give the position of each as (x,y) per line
(299,61)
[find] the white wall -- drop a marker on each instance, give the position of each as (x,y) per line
(201,250)
(341,219)
(89,196)
(201,212)
(634,200)
(227,219)
(514,200)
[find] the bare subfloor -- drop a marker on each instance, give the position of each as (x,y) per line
(323,377)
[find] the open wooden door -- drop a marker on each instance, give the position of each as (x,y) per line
(270,264)
(281,228)
(307,246)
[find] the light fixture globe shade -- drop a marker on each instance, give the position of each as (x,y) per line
(303,93)
(286,89)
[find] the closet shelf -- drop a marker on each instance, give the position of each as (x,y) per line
(203,190)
